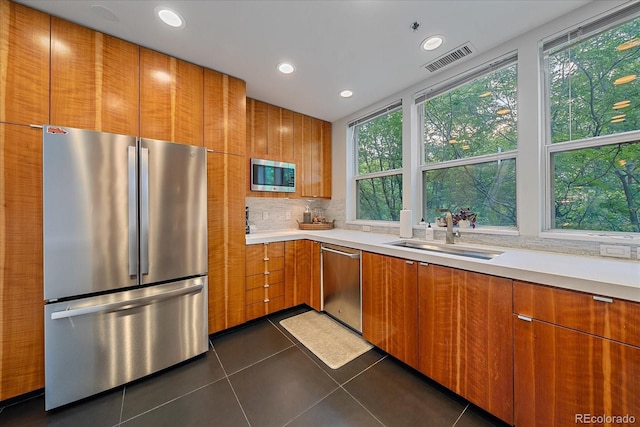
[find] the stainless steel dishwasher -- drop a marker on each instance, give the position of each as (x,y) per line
(341,294)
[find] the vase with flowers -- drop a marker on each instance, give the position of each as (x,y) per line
(465,218)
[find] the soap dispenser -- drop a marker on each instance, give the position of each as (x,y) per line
(428,232)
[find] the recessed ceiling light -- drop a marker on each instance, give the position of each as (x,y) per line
(170,17)
(432,42)
(286,68)
(346,94)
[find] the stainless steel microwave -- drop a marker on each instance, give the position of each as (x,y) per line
(269,175)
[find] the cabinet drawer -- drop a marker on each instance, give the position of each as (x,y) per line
(275,249)
(259,280)
(262,308)
(263,293)
(260,266)
(611,318)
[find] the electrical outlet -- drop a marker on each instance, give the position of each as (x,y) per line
(265,216)
(616,251)
(287,215)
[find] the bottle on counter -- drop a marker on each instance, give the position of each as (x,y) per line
(306,215)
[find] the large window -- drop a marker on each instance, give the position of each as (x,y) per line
(378,144)
(469,139)
(593,140)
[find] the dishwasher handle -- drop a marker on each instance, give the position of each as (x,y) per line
(347,254)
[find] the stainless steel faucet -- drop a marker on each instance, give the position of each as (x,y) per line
(449,236)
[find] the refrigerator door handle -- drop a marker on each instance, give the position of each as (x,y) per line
(128,304)
(144,211)
(133,245)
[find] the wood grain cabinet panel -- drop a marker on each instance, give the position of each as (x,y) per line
(171,99)
(226,234)
(24,64)
(257,128)
(562,376)
(390,305)
(21,280)
(466,335)
(316,159)
(224,113)
(298,276)
(606,317)
(94,80)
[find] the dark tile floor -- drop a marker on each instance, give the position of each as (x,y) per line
(259,375)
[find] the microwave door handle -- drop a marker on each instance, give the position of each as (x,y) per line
(144,211)
(133,244)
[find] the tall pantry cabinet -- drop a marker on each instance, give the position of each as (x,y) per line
(53,71)
(24,100)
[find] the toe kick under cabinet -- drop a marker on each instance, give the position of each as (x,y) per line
(265,279)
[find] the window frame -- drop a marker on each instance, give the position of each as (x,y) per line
(396,106)
(482,70)
(549,148)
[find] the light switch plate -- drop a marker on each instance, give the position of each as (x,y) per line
(615,251)
(265,215)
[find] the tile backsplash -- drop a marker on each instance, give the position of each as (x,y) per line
(276,219)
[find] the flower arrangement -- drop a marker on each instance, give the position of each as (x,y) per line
(465,215)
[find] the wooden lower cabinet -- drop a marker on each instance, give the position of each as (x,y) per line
(302,273)
(21,275)
(466,335)
(390,305)
(265,282)
(226,234)
(565,370)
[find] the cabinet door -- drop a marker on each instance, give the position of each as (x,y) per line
(297,272)
(225,113)
(24,64)
(21,304)
(390,305)
(171,99)
(316,159)
(563,376)
(466,335)
(315,299)
(226,234)
(94,80)
(257,128)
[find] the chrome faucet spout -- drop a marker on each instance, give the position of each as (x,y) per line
(449,235)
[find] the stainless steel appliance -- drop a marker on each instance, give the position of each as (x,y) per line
(269,175)
(341,288)
(125,259)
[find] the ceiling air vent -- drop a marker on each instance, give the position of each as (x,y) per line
(450,57)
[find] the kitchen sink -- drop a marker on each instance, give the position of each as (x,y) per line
(448,249)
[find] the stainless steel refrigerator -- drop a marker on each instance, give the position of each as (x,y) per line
(125,259)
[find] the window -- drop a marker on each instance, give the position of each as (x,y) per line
(592,147)
(378,174)
(469,141)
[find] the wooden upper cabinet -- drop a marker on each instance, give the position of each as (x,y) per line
(316,159)
(24,64)
(21,273)
(171,99)
(225,110)
(94,80)
(257,128)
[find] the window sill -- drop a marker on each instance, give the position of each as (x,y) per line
(496,231)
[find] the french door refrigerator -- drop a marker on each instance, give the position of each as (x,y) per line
(125,259)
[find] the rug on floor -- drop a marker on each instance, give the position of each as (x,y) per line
(333,343)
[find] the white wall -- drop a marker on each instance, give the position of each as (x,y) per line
(529,163)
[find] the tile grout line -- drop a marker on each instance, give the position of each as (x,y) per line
(460,416)
(124,391)
(360,403)
(233,390)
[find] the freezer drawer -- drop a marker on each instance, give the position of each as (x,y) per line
(94,344)
(341,291)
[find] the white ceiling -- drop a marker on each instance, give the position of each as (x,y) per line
(365,46)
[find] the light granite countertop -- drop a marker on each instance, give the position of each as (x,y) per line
(611,278)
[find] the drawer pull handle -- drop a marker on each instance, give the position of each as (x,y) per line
(266,272)
(525,318)
(266,286)
(266,300)
(409,262)
(424,264)
(602,299)
(265,259)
